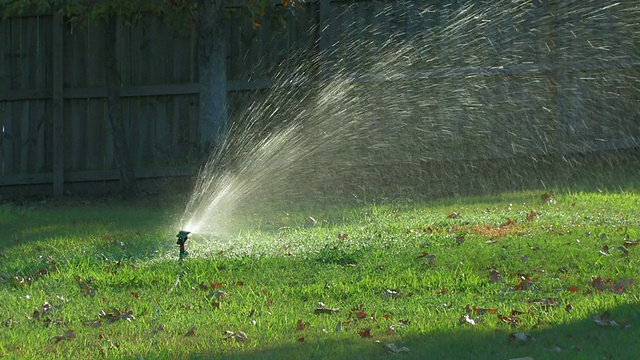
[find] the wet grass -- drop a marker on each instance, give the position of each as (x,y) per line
(502,276)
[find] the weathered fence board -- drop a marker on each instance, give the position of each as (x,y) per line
(532,76)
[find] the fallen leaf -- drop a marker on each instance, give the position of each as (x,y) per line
(393,327)
(524,337)
(93,323)
(494,275)
(323,310)
(621,285)
(394,349)
(631,242)
(453,215)
(605,251)
(532,215)
(546,197)
(604,319)
(545,303)
(240,336)
(511,320)
(135,295)
(466,319)
(481,311)
(301,326)
(442,291)
(115,315)
(66,336)
(597,283)
(301,339)
(215,285)
(391,294)
(623,249)
(429,257)
(217,294)
(361,315)
(525,283)
(572,288)
(365,333)
(191,332)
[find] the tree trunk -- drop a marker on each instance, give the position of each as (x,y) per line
(123,155)
(213,73)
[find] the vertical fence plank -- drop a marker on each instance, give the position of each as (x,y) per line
(94,134)
(42,106)
(6,146)
(5,106)
(58,109)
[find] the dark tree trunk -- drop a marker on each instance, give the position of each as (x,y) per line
(123,155)
(213,73)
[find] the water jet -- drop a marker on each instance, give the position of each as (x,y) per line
(440,101)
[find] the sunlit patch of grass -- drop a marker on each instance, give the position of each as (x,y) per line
(411,274)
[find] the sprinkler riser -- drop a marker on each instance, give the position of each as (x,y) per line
(182,236)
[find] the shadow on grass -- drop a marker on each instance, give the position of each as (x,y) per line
(582,339)
(32,235)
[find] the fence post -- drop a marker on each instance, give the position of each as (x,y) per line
(58,103)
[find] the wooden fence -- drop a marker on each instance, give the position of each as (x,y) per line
(53,111)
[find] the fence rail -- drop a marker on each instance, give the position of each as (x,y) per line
(572,66)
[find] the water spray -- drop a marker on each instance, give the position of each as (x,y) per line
(182,236)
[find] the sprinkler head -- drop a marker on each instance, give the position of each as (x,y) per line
(182,236)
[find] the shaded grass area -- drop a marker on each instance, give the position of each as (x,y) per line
(103,280)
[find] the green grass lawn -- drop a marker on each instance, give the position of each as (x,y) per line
(515,275)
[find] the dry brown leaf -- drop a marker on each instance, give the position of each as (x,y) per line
(240,336)
(524,337)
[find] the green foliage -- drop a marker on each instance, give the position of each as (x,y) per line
(260,11)
(175,12)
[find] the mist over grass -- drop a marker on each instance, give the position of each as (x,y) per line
(468,98)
